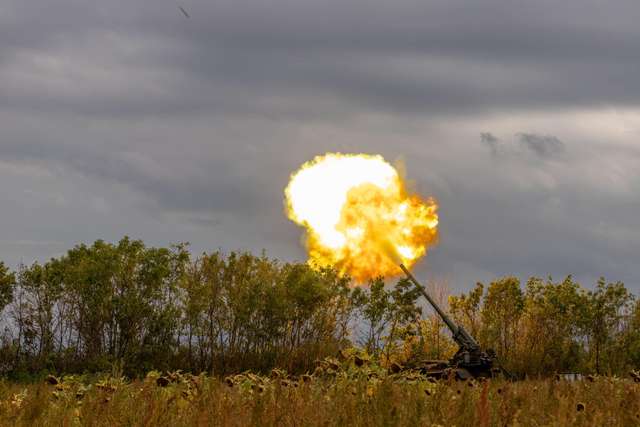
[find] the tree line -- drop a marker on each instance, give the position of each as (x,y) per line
(135,308)
(550,326)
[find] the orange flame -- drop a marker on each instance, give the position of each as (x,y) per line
(359,216)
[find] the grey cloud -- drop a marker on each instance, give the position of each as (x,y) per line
(244,57)
(491,141)
(490,222)
(542,145)
(125,117)
(213,185)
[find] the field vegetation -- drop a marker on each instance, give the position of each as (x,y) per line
(336,394)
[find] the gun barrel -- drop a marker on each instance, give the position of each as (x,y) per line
(460,335)
(452,326)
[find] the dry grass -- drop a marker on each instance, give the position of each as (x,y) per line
(357,396)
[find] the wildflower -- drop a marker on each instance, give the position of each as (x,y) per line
(277,373)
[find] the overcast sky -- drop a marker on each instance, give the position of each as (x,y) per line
(522,118)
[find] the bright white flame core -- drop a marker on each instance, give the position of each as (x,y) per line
(316,195)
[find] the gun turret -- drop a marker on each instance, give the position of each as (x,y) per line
(469,360)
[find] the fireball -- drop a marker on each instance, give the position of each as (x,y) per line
(359,216)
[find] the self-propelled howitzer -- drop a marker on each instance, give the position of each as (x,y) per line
(470,361)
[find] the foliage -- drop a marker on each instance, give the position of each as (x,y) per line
(131,308)
(385,313)
(608,306)
(7,280)
(137,308)
(465,309)
(501,312)
(247,312)
(553,326)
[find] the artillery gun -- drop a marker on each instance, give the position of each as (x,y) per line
(470,361)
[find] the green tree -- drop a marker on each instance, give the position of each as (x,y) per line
(247,312)
(466,309)
(435,339)
(609,304)
(42,287)
(7,282)
(632,337)
(124,301)
(551,327)
(202,292)
(501,312)
(386,312)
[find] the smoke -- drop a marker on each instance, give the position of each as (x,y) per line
(524,144)
(542,145)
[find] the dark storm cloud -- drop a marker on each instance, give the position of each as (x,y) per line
(437,57)
(125,116)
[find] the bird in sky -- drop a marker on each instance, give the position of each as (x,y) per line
(184,12)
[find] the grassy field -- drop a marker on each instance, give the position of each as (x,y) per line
(362,396)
